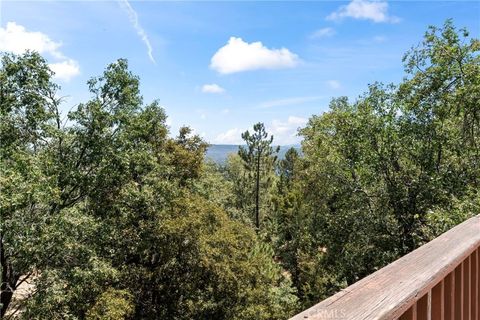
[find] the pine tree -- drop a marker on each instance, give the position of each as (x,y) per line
(259,157)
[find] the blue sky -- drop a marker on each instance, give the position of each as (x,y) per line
(221,66)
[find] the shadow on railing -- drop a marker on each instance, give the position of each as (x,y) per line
(438,281)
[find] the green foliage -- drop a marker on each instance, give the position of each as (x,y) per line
(259,159)
(391,164)
(28,121)
(276,301)
(111,218)
(112,305)
(441,219)
(215,178)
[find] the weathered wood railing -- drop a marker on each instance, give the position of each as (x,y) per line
(438,281)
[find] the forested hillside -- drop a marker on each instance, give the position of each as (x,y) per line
(219,153)
(108,215)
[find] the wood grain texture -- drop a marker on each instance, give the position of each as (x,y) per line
(466,288)
(473,285)
(389,292)
(438,307)
(449,296)
(458,302)
(478,283)
(410,314)
(423,308)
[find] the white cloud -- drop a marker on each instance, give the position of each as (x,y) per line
(288,101)
(65,70)
(226,111)
(238,55)
(375,10)
(334,84)
(195,132)
(133,16)
(322,33)
(297,120)
(232,136)
(17,39)
(212,88)
(285,132)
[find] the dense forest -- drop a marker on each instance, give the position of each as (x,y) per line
(108,215)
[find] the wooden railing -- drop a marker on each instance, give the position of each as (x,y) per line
(438,281)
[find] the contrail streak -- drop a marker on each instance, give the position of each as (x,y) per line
(133,16)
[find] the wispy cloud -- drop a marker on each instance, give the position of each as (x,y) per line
(322,33)
(334,84)
(133,16)
(374,10)
(289,101)
(212,88)
(17,39)
(231,136)
(238,55)
(286,132)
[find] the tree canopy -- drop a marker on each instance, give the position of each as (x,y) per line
(101,212)
(109,215)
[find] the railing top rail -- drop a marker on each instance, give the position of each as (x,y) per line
(389,292)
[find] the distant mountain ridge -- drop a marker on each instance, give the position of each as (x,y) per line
(218,153)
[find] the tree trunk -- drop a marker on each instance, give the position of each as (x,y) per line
(9,281)
(257,194)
